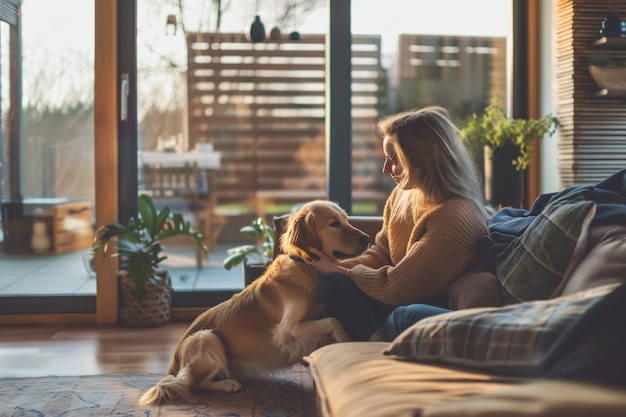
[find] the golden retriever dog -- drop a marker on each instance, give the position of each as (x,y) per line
(273,323)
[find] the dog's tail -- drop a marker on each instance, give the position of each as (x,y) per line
(174,389)
(202,359)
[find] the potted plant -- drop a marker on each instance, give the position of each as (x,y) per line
(255,257)
(505,141)
(146,289)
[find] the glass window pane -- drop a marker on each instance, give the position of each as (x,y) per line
(47,232)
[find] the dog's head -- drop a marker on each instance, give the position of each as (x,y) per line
(323,225)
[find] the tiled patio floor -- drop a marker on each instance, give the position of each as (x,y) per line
(67,274)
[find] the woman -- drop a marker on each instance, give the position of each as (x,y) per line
(431,223)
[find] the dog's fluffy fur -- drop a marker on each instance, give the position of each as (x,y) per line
(273,323)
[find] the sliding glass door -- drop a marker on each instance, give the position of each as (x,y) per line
(191,85)
(47,169)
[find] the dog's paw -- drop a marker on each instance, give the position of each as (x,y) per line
(227,385)
(338,333)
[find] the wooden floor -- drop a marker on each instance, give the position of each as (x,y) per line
(29,351)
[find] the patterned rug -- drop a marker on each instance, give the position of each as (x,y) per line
(289,394)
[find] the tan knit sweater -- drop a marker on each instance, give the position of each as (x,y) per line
(411,262)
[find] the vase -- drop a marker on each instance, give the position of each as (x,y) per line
(504,184)
(275,33)
(611,25)
(257,30)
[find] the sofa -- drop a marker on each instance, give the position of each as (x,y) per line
(546,346)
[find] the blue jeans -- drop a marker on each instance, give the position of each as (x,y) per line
(359,314)
(401,318)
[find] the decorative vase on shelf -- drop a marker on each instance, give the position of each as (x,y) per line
(257,30)
(275,33)
(611,25)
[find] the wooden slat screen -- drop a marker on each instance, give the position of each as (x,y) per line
(592,142)
(9,10)
(460,73)
(263,106)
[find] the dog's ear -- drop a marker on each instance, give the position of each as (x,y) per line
(299,236)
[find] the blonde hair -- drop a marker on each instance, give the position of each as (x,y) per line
(435,164)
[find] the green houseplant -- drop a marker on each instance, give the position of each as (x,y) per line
(146,289)
(494,129)
(505,141)
(255,257)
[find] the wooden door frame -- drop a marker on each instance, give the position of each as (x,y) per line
(105,150)
(525,85)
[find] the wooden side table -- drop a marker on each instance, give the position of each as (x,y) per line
(68,225)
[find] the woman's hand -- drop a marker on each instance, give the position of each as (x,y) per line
(327,264)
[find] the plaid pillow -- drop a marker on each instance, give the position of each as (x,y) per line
(533,265)
(506,337)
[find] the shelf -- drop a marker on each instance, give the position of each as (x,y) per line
(610,42)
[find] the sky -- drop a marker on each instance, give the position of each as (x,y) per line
(43,22)
(57,41)
(391,18)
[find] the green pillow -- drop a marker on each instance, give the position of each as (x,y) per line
(532,266)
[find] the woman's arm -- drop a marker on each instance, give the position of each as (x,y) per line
(443,246)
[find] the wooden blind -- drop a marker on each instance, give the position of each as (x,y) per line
(263,106)
(592,142)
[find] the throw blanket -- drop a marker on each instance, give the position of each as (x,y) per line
(509,223)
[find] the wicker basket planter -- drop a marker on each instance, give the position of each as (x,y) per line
(153,309)
(610,77)
(146,290)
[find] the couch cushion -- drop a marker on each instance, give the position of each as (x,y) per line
(537,399)
(604,262)
(509,338)
(476,288)
(533,265)
(354,380)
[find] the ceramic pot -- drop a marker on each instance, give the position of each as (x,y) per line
(251,272)
(504,184)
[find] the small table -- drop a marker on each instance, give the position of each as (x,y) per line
(68,224)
